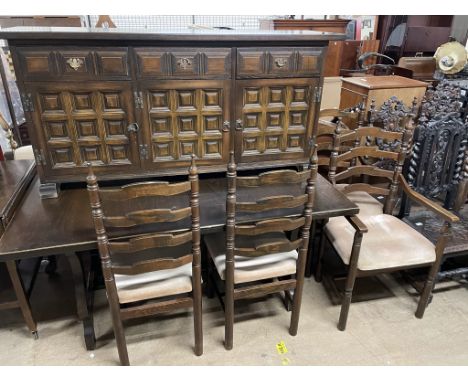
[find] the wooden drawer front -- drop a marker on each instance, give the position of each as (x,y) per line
(278,62)
(112,63)
(74,64)
(36,64)
(180,63)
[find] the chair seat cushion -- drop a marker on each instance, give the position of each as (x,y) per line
(247,269)
(144,286)
(389,242)
(367,204)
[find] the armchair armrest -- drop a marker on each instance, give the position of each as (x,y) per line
(357,224)
(429,204)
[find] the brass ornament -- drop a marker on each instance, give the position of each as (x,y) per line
(75,63)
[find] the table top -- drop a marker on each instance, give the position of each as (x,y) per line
(15,176)
(385,82)
(84,33)
(54,226)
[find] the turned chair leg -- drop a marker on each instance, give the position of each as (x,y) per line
(119,332)
(197,311)
(350,280)
(296,308)
(229,307)
(427,290)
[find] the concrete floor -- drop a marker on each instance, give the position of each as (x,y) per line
(380,332)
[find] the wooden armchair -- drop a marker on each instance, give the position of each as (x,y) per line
(375,241)
(255,247)
(143,271)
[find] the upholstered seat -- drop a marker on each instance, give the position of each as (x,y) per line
(144,286)
(249,269)
(367,204)
(389,242)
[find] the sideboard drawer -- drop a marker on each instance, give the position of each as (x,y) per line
(180,63)
(74,63)
(279,62)
(36,64)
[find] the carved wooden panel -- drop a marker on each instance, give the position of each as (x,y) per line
(112,63)
(275,120)
(184,119)
(183,63)
(278,62)
(78,124)
(35,63)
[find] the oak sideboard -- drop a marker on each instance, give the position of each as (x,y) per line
(139,103)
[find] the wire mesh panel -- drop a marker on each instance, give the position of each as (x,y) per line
(175,22)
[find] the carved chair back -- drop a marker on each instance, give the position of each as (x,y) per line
(133,208)
(436,166)
(294,195)
(332,121)
(371,153)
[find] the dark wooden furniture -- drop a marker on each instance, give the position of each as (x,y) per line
(380,88)
(141,103)
(152,273)
(423,68)
(251,254)
(375,241)
(403,35)
(73,233)
(15,177)
(328,25)
(437,157)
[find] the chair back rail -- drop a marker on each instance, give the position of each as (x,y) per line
(156,215)
(143,189)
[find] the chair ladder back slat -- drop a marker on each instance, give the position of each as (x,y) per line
(373,190)
(144,189)
(370,151)
(147,216)
(143,243)
(273,177)
(271,203)
(269,248)
(152,265)
(269,226)
(364,170)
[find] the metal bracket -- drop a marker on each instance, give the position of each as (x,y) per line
(138,96)
(39,157)
(28,104)
(318,94)
(144,152)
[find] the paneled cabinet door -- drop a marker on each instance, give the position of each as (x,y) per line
(181,118)
(78,123)
(274,119)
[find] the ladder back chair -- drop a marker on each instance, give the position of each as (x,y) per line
(149,268)
(258,249)
(375,241)
(331,122)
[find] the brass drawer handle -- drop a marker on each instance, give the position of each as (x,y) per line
(239,125)
(280,62)
(185,63)
(226,126)
(75,63)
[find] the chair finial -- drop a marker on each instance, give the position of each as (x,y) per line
(91,178)
(232,163)
(193,170)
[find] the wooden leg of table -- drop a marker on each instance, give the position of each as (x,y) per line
(83,301)
(21,296)
(310,252)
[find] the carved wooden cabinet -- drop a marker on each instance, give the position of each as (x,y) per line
(140,104)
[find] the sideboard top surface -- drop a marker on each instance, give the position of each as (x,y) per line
(127,34)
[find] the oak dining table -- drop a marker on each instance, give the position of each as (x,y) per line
(63,226)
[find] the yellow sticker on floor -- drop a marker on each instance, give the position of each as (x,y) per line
(281,348)
(285,361)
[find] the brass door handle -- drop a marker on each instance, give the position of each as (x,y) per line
(239,125)
(226,126)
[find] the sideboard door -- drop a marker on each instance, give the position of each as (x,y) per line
(274,120)
(181,118)
(87,122)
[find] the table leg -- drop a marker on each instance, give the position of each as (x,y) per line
(21,297)
(84,299)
